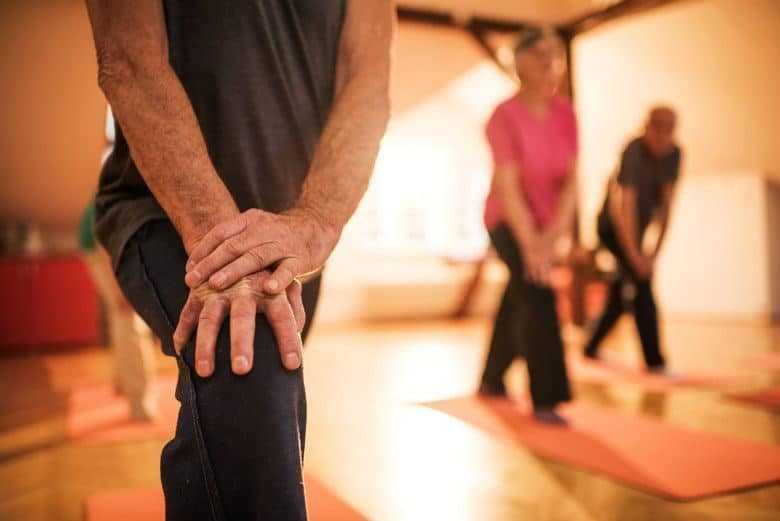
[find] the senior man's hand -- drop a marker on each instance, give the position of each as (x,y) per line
(206,309)
(288,244)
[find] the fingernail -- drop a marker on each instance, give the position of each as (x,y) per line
(203,367)
(292,361)
(218,279)
(273,285)
(240,364)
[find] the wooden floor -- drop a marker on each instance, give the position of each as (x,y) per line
(388,458)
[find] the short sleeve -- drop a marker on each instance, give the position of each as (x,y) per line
(500,139)
(630,166)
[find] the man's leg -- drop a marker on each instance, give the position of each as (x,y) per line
(609,317)
(646,317)
(237,452)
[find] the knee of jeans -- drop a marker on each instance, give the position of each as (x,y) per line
(268,397)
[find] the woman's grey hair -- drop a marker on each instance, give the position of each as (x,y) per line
(533,33)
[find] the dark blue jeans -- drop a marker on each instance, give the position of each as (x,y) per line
(238,449)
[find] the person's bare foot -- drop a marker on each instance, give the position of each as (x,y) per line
(550,416)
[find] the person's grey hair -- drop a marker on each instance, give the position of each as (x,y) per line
(532,34)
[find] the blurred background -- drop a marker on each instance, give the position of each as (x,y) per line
(410,293)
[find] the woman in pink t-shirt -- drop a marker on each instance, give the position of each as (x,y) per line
(533,136)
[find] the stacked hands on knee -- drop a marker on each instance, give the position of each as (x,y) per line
(245,266)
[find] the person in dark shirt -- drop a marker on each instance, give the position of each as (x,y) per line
(641,193)
(246,134)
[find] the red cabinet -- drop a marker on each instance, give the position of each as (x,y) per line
(47,301)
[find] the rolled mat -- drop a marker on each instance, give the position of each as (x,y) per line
(644,453)
(97,414)
(147,505)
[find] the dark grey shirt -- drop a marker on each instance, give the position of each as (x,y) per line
(260,76)
(646,174)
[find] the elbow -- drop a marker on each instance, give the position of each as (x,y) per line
(114,70)
(119,70)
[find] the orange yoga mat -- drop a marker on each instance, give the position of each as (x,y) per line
(96,413)
(645,453)
(585,370)
(769,397)
(147,505)
(770,362)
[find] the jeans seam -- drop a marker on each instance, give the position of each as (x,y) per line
(213,494)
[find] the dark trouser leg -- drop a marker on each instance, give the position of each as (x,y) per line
(237,452)
(646,317)
(609,317)
(544,347)
(506,340)
(527,325)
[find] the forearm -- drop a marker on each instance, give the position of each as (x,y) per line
(167,146)
(563,220)
(627,236)
(345,155)
(517,215)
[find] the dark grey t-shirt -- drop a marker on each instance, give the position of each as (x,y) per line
(260,76)
(646,174)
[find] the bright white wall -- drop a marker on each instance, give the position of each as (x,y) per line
(716,260)
(717,61)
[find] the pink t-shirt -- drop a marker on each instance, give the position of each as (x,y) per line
(542,150)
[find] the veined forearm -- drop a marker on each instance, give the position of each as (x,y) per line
(167,146)
(345,154)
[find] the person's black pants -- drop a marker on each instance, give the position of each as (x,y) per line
(643,304)
(526,325)
(238,449)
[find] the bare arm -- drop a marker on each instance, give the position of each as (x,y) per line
(563,220)
(624,216)
(513,204)
(663,215)
(156,116)
(344,157)
(299,240)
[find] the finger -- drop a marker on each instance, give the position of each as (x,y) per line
(188,319)
(282,276)
(216,236)
(243,312)
(209,322)
(280,317)
(252,261)
(295,298)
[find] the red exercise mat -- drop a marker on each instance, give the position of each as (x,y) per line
(97,414)
(586,370)
(645,453)
(769,397)
(147,505)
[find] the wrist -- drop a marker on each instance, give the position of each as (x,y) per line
(322,235)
